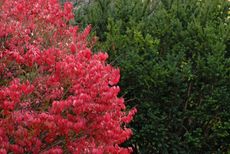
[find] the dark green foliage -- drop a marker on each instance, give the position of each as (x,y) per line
(174,57)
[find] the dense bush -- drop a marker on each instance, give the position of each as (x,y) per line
(55,95)
(175,58)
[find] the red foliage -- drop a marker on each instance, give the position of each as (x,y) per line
(56,96)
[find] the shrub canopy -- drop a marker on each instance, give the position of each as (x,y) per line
(56,96)
(174,57)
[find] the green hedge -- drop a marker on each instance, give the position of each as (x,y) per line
(174,57)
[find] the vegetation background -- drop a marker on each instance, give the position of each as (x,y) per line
(174,57)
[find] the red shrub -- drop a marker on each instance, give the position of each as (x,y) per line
(55,95)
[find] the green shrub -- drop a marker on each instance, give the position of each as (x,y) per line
(174,57)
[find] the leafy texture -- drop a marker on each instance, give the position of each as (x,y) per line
(174,60)
(55,95)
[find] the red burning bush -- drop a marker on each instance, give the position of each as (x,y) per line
(56,96)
